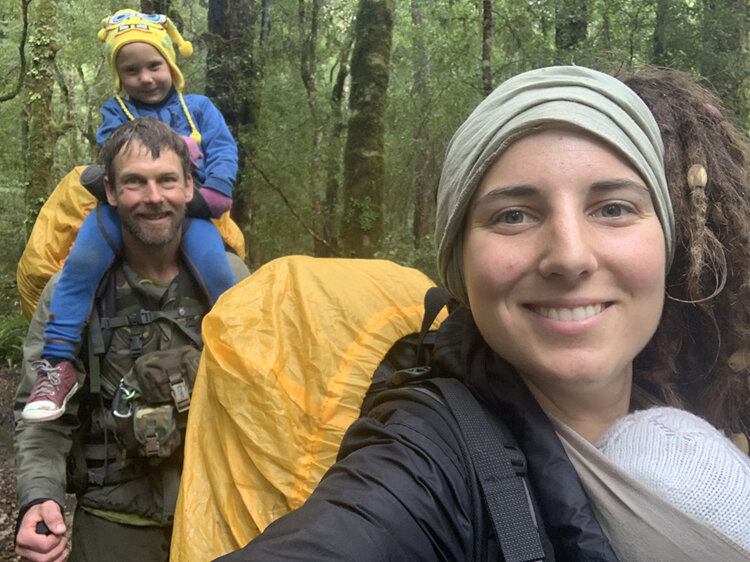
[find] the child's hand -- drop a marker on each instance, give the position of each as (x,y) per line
(195,152)
(217,202)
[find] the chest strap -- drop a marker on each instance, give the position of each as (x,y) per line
(144,317)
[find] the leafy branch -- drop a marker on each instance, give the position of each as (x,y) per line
(296,215)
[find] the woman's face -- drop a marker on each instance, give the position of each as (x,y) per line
(564,260)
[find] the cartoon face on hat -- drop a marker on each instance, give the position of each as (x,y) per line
(131,26)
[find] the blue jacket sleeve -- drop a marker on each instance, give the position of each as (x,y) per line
(399,491)
(112,117)
(218,146)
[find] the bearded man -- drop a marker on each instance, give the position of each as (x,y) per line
(118,446)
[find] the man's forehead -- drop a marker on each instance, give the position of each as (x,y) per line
(135,148)
(136,151)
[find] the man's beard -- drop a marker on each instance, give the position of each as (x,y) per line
(157,237)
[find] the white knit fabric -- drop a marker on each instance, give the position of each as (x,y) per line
(689,462)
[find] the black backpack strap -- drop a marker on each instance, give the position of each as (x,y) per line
(115,248)
(507,498)
(98,339)
(409,353)
(435,299)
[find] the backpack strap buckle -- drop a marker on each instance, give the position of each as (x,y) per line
(151,440)
(179,391)
(410,375)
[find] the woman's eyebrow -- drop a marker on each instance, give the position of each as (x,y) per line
(604,186)
(521,190)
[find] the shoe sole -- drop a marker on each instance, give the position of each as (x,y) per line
(36,416)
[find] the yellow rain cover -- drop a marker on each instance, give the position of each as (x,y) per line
(55,231)
(288,357)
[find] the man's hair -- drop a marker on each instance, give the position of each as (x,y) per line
(150,133)
(699,357)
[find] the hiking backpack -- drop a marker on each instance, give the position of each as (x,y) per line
(289,355)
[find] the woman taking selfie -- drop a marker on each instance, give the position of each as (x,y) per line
(556,233)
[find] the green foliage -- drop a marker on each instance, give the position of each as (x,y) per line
(398,246)
(12,333)
(368,213)
(294,132)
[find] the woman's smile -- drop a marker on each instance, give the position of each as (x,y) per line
(568,314)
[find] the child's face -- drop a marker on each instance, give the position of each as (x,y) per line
(144,73)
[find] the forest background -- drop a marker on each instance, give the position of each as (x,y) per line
(341,109)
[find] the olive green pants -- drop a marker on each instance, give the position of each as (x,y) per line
(96,539)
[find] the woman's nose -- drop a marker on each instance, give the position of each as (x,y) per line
(569,248)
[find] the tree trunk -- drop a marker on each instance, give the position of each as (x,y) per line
(42,131)
(308,42)
(334,150)
(571,24)
(660,39)
(425,168)
(486,47)
(232,54)
(15,89)
(156,7)
(364,165)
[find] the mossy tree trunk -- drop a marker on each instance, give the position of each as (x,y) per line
(425,167)
(42,130)
(334,150)
(234,72)
(364,163)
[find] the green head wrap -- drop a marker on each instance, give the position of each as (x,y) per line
(574,95)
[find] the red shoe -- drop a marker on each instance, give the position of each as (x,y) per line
(52,389)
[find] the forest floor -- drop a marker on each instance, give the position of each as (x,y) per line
(8,381)
(8,510)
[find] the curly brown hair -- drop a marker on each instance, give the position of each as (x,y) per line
(699,357)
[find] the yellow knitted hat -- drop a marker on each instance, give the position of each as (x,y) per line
(131,26)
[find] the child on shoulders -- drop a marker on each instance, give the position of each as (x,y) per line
(140,50)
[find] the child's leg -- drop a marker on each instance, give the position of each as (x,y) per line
(96,245)
(204,253)
(89,259)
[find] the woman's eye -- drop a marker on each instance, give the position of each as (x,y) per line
(613,210)
(513,216)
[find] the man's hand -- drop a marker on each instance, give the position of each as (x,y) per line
(37,547)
